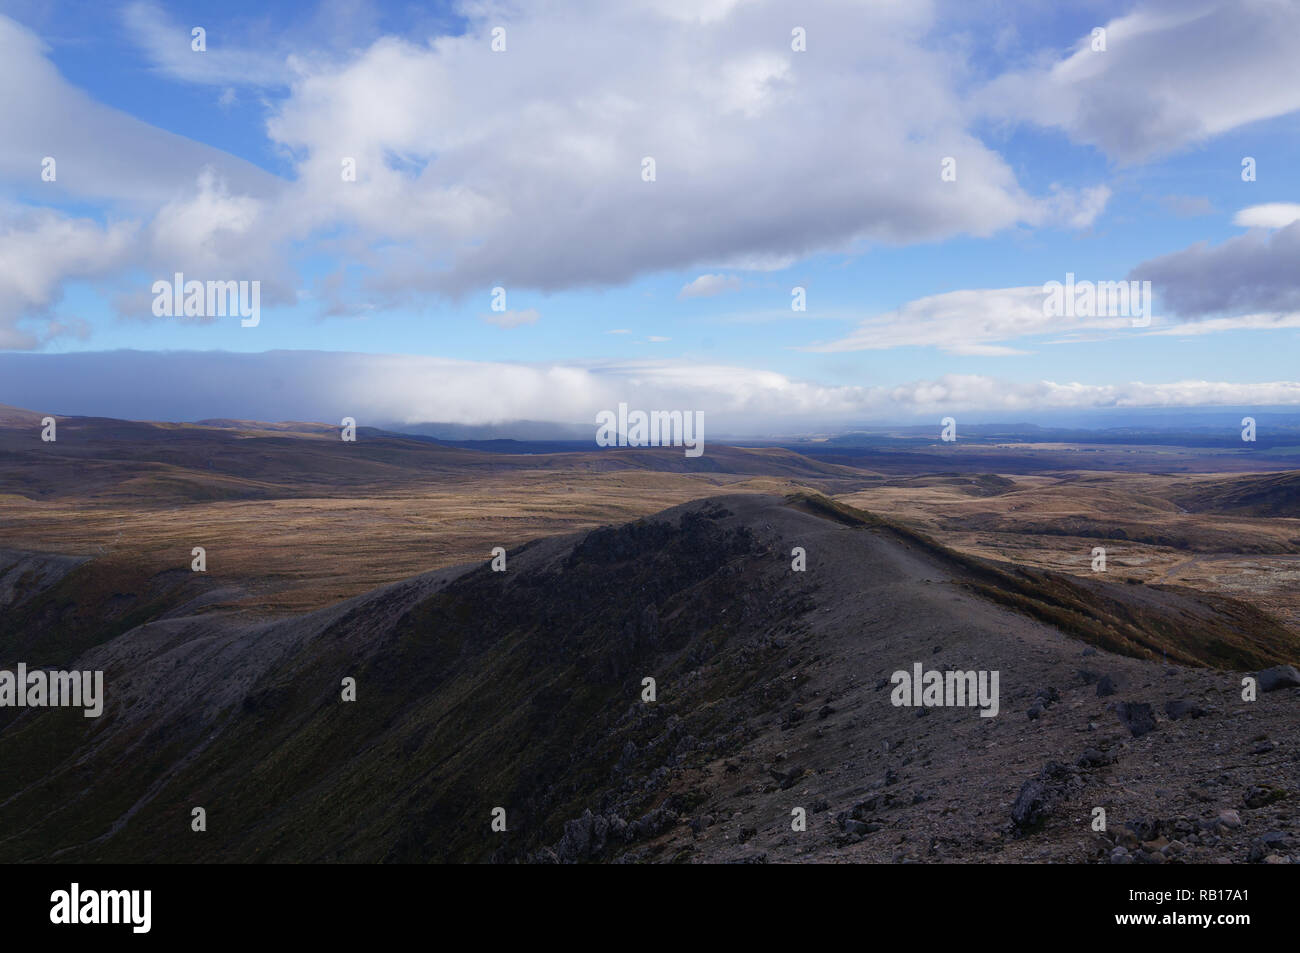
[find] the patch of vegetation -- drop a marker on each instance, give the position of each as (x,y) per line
(95,602)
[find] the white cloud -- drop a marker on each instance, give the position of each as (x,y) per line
(100,152)
(156,209)
(209,223)
(464,156)
(1174,73)
(1077,209)
(39,250)
(706,286)
(980,322)
(167,42)
(1271,215)
(1244,322)
(972,322)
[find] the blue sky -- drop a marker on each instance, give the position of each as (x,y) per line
(776,168)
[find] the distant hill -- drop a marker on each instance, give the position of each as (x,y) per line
(104,459)
(1272,494)
(17,417)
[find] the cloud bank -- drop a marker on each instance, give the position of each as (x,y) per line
(391,390)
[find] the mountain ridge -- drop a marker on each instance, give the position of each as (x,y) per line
(522,690)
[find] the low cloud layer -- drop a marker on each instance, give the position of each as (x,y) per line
(398,389)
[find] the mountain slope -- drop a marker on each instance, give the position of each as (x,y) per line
(523,690)
(1270,494)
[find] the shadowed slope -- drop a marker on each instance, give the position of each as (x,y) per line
(523,690)
(1271,494)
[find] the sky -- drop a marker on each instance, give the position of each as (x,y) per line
(791,217)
